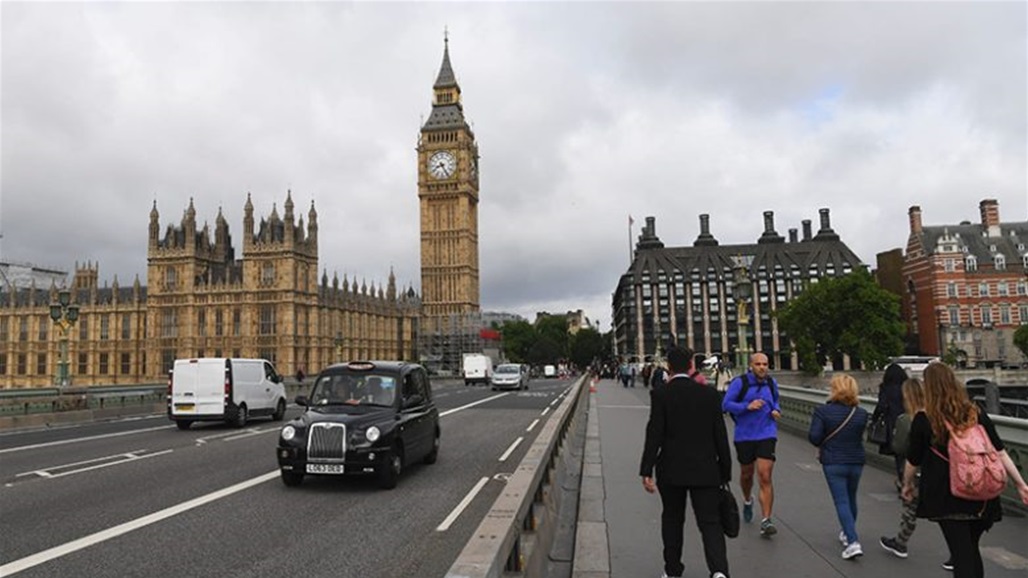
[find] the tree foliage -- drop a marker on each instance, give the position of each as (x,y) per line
(518,337)
(1021,339)
(844,315)
(586,345)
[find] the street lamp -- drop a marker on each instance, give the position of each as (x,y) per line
(65,314)
(742,291)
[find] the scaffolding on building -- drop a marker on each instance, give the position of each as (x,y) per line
(444,340)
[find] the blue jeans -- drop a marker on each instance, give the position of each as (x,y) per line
(843,480)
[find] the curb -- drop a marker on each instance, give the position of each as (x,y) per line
(592,544)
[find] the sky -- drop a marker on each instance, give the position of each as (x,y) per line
(586,113)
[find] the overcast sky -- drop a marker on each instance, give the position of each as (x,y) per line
(585,113)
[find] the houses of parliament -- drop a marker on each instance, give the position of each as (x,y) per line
(202,300)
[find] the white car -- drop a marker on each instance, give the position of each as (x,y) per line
(508,376)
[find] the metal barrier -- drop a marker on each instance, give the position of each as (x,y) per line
(514,536)
(798,406)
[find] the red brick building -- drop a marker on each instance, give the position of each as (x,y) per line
(966,287)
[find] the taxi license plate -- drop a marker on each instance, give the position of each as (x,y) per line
(185,407)
(324,468)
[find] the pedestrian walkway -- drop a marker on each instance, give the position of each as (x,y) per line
(807,540)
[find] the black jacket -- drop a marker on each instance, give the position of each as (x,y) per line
(686,437)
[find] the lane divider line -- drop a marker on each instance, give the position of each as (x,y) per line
(472,404)
(85,439)
(510,450)
(456,511)
(104,535)
(532,425)
(546,411)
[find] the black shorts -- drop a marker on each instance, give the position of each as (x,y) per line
(748,452)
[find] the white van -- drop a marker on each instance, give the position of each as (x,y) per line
(220,389)
(477,368)
(914,363)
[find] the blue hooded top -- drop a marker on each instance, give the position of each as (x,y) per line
(757,424)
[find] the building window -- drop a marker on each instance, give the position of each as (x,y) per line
(169,323)
(1022,311)
(83,329)
(40,364)
(970,263)
(44,322)
(983,289)
(3,364)
(949,265)
(83,364)
(126,326)
(23,328)
(201,322)
(1001,262)
(951,289)
(1002,289)
(170,277)
(104,363)
(954,316)
(1022,288)
(219,323)
(168,360)
(3,330)
(105,327)
(126,363)
(22,363)
(237,322)
(986,315)
(1004,314)
(268,274)
(267,320)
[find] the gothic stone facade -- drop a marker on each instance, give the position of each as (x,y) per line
(201,301)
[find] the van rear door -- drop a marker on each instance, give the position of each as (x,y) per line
(198,387)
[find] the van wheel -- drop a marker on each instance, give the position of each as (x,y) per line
(280,410)
(433,456)
(292,479)
(183,424)
(239,419)
(390,471)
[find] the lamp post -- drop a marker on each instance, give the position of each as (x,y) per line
(742,292)
(64,314)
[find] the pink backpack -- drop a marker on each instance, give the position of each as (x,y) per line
(976,471)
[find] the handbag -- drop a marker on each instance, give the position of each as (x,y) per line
(729,510)
(817,453)
(877,431)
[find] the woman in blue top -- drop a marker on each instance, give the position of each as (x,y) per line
(837,429)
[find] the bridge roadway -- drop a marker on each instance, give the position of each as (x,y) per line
(141,498)
(619,534)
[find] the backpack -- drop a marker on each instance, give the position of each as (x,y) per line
(975,469)
(745,377)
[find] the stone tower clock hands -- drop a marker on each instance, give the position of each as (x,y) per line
(442,165)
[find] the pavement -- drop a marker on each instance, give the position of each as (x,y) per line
(618,533)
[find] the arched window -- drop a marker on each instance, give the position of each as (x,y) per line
(1000,262)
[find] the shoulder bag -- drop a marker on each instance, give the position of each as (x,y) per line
(817,452)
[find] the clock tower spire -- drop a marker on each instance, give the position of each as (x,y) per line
(448,200)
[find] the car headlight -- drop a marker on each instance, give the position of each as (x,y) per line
(372,434)
(288,432)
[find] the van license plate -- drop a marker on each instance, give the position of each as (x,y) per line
(324,468)
(185,407)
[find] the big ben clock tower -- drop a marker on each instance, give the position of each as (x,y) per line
(448,195)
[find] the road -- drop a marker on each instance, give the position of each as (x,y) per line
(141,498)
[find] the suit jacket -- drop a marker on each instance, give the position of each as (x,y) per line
(686,437)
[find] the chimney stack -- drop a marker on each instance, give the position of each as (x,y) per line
(825,233)
(769,235)
(793,235)
(705,239)
(990,216)
(914,215)
(806,229)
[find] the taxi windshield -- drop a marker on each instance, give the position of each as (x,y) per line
(350,389)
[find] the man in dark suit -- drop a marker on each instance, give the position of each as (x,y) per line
(687,443)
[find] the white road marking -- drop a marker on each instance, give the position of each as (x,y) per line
(510,450)
(453,515)
(546,411)
(104,535)
(96,465)
(532,425)
(472,404)
(250,433)
(88,438)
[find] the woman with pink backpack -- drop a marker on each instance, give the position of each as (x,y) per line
(956,447)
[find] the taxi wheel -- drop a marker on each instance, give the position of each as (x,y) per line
(433,455)
(390,471)
(292,479)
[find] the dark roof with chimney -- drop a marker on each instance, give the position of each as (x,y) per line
(973,239)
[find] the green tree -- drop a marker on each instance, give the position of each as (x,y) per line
(586,345)
(544,351)
(1021,339)
(844,315)
(518,337)
(555,328)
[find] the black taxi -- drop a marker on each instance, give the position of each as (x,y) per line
(362,417)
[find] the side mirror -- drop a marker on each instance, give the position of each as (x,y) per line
(301,400)
(277,379)
(413,401)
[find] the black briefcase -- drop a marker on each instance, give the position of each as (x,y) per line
(729,509)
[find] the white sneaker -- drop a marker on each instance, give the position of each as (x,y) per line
(842,539)
(852,551)
(718,575)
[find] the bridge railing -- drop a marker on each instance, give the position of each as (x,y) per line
(798,405)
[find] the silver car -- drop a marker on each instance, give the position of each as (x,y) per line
(509,376)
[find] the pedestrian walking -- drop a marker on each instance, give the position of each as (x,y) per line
(837,429)
(890,407)
(687,444)
(658,376)
(752,401)
(948,411)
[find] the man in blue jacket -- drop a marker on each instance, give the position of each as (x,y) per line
(752,401)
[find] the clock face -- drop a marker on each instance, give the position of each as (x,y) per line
(442,165)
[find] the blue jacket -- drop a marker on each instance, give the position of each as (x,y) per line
(845,447)
(751,425)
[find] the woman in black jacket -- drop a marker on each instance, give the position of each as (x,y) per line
(890,404)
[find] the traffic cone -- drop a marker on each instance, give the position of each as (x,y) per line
(592,386)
